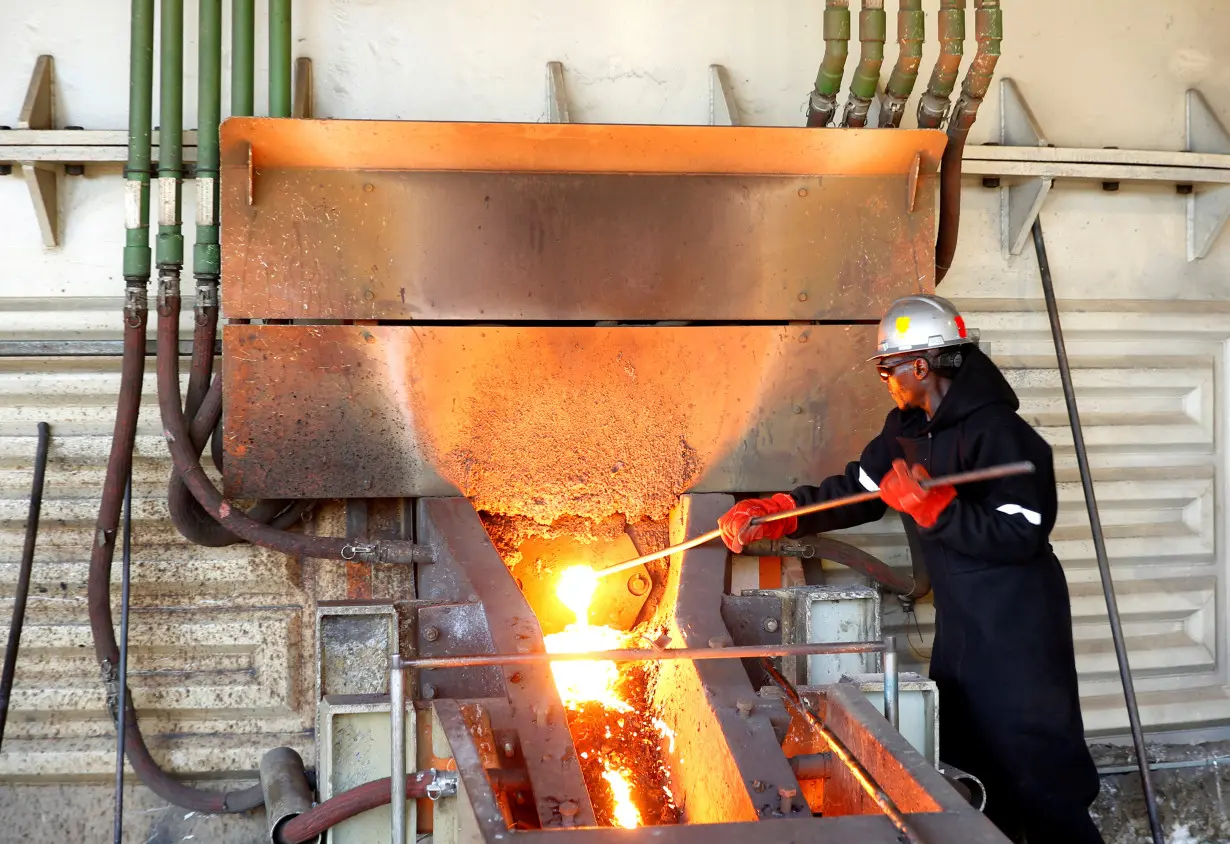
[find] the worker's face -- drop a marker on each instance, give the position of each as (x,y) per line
(904,376)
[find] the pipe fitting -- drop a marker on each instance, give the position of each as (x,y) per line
(910,36)
(823,101)
(872,33)
(285,788)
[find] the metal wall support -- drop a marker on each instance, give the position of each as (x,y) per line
(723,110)
(1208,207)
(303,106)
(557,97)
(1019,204)
(42,178)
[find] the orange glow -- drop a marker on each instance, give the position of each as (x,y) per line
(626,814)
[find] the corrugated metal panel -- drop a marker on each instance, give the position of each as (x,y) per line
(220,639)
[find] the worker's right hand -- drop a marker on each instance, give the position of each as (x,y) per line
(738,530)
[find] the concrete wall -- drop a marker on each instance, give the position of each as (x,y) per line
(222,640)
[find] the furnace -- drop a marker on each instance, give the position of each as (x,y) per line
(572,345)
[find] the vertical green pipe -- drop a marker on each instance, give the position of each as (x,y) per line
(243,57)
(934,104)
(279,58)
(137,170)
(833,66)
(170,250)
(910,35)
(872,33)
(206,257)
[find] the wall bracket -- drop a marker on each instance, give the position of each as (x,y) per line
(1208,206)
(557,97)
(1019,204)
(723,110)
(42,177)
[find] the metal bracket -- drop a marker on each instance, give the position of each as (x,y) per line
(1208,208)
(723,110)
(42,178)
(557,98)
(303,104)
(1020,204)
(443,784)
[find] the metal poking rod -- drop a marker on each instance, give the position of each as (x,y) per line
(1099,541)
(973,476)
(121,719)
(642,655)
(24,573)
(843,753)
(397,730)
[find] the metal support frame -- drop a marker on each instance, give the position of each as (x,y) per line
(1208,208)
(723,110)
(303,103)
(557,97)
(42,177)
(1023,154)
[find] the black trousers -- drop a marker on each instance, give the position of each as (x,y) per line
(1044,818)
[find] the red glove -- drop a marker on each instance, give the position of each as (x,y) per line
(902,491)
(738,530)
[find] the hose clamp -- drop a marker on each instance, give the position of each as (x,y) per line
(136,303)
(362,551)
(111,682)
(207,294)
(443,784)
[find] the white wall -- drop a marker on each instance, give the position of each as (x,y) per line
(1147,329)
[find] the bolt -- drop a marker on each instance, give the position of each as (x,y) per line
(368,295)
(367,484)
(1110,187)
(1183,190)
(515,677)
(509,749)
(802,297)
(787,796)
(429,691)
(638,584)
(798,409)
(369,187)
(745,708)
(569,811)
(74,169)
(431,634)
(771,625)
(802,191)
(6,169)
(990,181)
(719,642)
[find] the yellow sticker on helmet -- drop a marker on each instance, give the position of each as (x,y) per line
(903,324)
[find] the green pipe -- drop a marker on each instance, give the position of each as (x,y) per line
(279,58)
(137,170)
(872,33)
(833,66)
(206,255)
(243,57)
(910,35)
(934,104)
(170,249)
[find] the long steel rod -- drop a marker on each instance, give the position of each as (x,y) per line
(843,753)
(24,574)
(397,729)
(121,719)
(1099,541)
(973,476)
(643,655)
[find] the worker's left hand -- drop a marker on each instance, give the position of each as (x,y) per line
(738,530)
(901,489)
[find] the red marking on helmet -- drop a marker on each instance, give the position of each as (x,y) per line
(960,320)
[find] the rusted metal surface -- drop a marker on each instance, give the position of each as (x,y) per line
(543,421)
(753,620)
(729,764)
(354,640)
(456,628)
(452,528)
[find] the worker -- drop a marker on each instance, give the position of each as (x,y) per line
(1003,657)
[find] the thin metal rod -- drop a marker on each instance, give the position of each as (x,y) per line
(121,721)
(974,476)
(843,753)
(892,683)
(1099,541)
(23,574)
(643,655)
(397,729)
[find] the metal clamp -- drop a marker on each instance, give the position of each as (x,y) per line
(111,682)
(362,551)
(443,784)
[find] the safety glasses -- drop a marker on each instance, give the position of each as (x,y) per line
(887,370)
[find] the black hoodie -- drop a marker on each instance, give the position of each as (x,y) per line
(1003,653)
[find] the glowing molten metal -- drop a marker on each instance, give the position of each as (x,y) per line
(591,681)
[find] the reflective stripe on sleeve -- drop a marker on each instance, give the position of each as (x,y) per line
(866,481)
(1033,518)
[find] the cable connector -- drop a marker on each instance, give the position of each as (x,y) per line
(443,784)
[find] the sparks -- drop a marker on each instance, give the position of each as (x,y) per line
(586,681)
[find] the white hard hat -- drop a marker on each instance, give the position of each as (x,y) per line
(921,322)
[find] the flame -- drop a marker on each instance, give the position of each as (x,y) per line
(626,814)
(591,681)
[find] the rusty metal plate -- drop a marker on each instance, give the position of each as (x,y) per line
(408,221)
(458,629)
(544,422)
